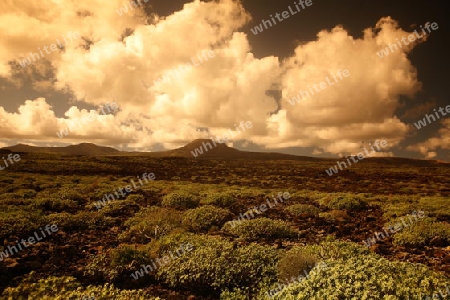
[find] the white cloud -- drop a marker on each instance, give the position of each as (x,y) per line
(355,108)
(223,91)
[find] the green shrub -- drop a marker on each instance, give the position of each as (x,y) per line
(27,193)
(298,210)
(179,200)
(221,200)
(350,202)
(217,264)
(67,288)
(118,208)
(17,221)
(151,223)
(135,198)
(70,194)
(80,221)
(117,263)
(435,206)
(399,205)
(260,229)
(203,218)
(332,249)
(420,232)
(126,255)
(365,277)
(55,204)
(236,294)
(294,262)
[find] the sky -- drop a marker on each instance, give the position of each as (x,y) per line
(317,78)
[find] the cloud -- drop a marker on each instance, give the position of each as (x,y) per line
(34,119)
(108,65)
(28,25)
(440,141)
(358,107)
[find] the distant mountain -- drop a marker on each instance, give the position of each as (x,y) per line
(80,149)
(222,151)
(219,151)
(202,147)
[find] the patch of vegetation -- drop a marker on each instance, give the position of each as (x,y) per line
(63,288)
(366,277)
(260,229)
(16,221)
(348,202)
(179,200)
(203,218)
(299,210)
(79,221)
(217,264)
(421,232)
(151,223)
(54,204)
(218,199)
(295,262)
(117,263)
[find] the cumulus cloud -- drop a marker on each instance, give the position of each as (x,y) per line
(108,65)
(28,25)
(440,141)
(360,106)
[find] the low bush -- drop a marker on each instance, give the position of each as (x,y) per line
(63,288)
(16,221)
(216,264)
(299,210)
(117,264)
(179,200)
(81,221)
(151,223)
(118,208)
(421,232)
(435,206)
(55,204)
(332,249)
(136,198)
(203,218)
(350,202)
(260,229)
(222,200)
(295,262)
(365,277)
